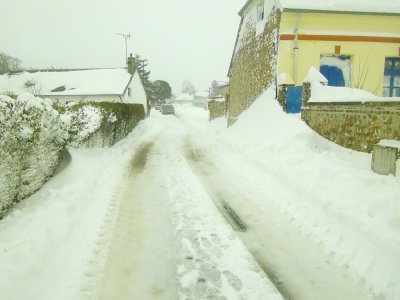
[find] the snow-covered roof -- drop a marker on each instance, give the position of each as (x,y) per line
(69,83)
(368,6)
(202,94)
(356,6)
(184,97)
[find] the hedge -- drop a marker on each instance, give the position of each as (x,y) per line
(117,120)
(34,133)
(33,136)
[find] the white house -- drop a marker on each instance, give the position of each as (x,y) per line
(99,85)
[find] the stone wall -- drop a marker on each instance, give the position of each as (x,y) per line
(355,125)
(253,67)
(216,109)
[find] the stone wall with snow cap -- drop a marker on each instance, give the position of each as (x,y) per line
(253,68)
(352,118)
(32,140)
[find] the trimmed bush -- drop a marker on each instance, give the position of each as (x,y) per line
(102,124)
(33,136)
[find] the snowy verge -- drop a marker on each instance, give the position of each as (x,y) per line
(53,246)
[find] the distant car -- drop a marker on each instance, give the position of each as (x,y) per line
(167,109)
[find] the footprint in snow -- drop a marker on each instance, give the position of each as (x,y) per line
(233,280)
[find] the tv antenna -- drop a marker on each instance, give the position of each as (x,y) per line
(126,37)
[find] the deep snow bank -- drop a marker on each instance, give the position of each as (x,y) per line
(338,203)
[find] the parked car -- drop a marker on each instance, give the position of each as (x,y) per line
(167,109)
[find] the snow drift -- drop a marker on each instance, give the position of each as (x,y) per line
(340,205)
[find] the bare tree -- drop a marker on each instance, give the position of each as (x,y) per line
(33,86)
(362,74)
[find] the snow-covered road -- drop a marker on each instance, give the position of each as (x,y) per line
(176,212)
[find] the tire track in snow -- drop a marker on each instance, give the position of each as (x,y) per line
(140,262)
(212,262)
(268,231)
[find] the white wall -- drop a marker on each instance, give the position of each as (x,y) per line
(138,94)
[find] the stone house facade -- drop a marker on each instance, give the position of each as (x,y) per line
(353,44)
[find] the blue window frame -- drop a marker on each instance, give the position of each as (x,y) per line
(391,77)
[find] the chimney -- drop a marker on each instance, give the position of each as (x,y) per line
(131,64)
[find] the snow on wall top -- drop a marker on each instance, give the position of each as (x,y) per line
(390,143)
(284,78)
(370,6)
(321,93)
(314,75)
(87,82)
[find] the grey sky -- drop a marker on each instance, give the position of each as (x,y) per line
(182,39)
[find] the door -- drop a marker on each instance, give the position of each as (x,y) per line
(293,99)
(336,68)
(391,78)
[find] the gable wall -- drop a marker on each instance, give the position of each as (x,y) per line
(255,56)
(138,94)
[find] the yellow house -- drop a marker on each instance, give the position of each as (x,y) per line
(357,48)
(353,43)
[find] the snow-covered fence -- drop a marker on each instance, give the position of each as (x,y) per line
(352,121)
(33,136)
(102,124)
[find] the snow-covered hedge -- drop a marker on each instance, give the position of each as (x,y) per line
(33,136)
(34,133)
(100,124)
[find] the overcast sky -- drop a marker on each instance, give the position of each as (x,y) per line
(182,39)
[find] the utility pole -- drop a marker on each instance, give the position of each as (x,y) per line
(126,37)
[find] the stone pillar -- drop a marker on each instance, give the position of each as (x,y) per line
(306,93)
(384,158)
(305,97)
(282,90)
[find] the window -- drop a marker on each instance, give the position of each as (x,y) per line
(336,68)
(391,77)
(129,92)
